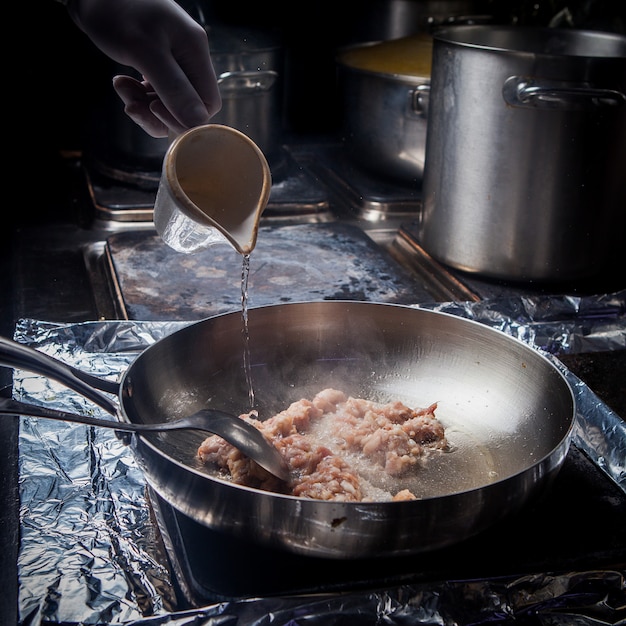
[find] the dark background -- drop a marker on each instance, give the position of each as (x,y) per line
(60,77)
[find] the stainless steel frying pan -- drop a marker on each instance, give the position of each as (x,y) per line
(508,412)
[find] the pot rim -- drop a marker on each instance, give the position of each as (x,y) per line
(403,76)
(536,41)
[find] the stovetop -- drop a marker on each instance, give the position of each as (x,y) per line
(304,177)
(125,197)
(577,525)
(573,532)
(335,260)
(291,263)
(371,253)
(319,183)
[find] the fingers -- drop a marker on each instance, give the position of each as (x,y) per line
(195,61)
(171,51)
(181,72)
(160,40)
(144,107)
(137,98)
(178,105)
(160,111)
(186,83)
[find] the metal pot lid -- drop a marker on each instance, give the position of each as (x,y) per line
(536,41)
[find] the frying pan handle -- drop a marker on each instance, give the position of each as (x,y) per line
(17,355)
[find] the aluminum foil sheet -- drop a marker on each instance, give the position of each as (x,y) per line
(542,600)
(555,324)
(91,553)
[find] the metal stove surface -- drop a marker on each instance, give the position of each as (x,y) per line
(362,193)
(579,525)
(290,263)
(126,198)
(583,508)
(319,183)
(407,245)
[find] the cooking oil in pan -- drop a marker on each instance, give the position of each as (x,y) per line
(469,464)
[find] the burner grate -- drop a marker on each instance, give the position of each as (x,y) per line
(296,193)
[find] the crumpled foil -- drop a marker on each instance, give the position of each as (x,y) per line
(89,549)
(554,324)
(91,552)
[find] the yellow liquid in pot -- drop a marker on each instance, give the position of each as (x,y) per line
(409,56)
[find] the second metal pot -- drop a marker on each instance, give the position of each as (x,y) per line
(384,89)
(524,175)
(249,68)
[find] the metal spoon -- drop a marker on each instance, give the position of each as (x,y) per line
(236,431)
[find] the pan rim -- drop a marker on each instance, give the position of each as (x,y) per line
(562,446)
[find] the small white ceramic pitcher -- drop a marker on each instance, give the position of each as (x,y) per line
(214,186)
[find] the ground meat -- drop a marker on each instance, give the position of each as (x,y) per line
(332,479)
(323,440)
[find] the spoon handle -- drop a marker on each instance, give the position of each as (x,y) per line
(15,407)
(214,422)
(240,434)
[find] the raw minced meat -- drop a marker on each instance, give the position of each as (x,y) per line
(328,440)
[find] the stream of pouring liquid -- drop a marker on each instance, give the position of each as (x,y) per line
(245,272)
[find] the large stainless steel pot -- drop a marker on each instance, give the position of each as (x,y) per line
(384,92)
(507,408)
(524,175)
(382,20)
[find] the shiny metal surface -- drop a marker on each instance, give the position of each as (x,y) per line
(385,121)
(560,520)
(392,19)
(524,164)
(249,68)
(510,408)
(236,431)
(515,405)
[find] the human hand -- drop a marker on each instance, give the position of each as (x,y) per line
(168,48)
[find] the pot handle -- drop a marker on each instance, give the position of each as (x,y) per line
(519,91)
(246,81)
(19,356)
(420,98)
